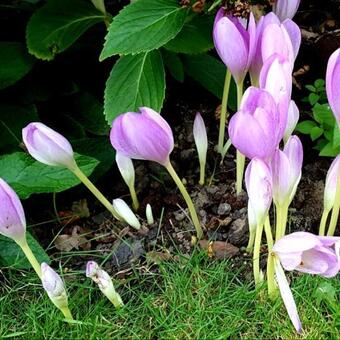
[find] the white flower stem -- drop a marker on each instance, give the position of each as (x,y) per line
(322,228)
(335,210)
(67,313)
(187,199)
(95,192)
(281,220)
(135,203)
(240,159)
(224,111)
(251,241)
(202,173)
(29,255)
(256,254)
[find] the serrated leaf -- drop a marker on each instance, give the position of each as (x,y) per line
(323,114)
(135,81)
(174,64)
(143,26)
(27,176)
(57,25)
(210,73)
(319,84)
(15,63)
(12,256)
(195,36)
(329,151)
(305,127)
(13,118)
(310,88)
(313,98)
(315,133)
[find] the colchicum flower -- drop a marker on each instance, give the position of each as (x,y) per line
(253,130)
(148,136)
(235,43)
(13,222)
(50,147)
(125,213)
(55,289)
(127,171)
(292,120)
(308,253)
(286,9)
(149,214)
(201,141)
(104,282)
(332,84)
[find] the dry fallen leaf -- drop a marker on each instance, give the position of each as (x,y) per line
(76,240)
(219,249)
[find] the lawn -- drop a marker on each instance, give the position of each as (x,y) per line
(196,298)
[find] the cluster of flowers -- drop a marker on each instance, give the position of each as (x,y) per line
(266,115)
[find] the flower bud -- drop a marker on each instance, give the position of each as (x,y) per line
(330,186)
(126,169)
(124,211)
(285,9)
(54,286)
(149,214)
(292,120)
(104,282)
(12,216)
(48,146)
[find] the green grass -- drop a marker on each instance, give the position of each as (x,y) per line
(197,298)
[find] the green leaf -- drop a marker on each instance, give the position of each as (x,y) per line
(15,63)
(315,133)
(329,151)
(135,81)
(174,64)
(305,127)
(311,88)
(27,176)
(13,118)
(143,26)
(313,98)
(323,114)
(319,84)
(12,256)
(195,36)
(89,112)
(58,24)
(210,73)
(336,136)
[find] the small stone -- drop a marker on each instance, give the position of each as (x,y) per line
(223,209)
(238,231)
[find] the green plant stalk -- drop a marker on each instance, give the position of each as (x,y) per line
(202,172)
(95,192)
(29,255)
(281,220)
(240,159)
(251,241)
(335,210)
(226,147)
(135,203)
(224,106)
(256,254)
(322,228)
(272,291)
(67,313)
(187,199)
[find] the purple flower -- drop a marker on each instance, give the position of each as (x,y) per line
(12,216)
(333,84)
(292,120)
(286,8)
(308,253)
(144,135)
(330,186)
(259,188)
(286,171)
(253,130)
(235,43)
(48,146)
(276,78)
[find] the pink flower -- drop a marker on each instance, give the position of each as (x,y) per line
(286,8)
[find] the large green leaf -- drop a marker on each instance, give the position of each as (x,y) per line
(27,176)
(135,81)
(174,64)
(15,63)
(58,24)
(144,26)
(13,118)
(12,256)
(195,36)
(210,73)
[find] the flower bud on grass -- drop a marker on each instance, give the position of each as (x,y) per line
(104,281)
(126,214)
(55,289)
(201,141)
(13,222)
(149,214)
(127,171)
(49,147)
(147,136)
